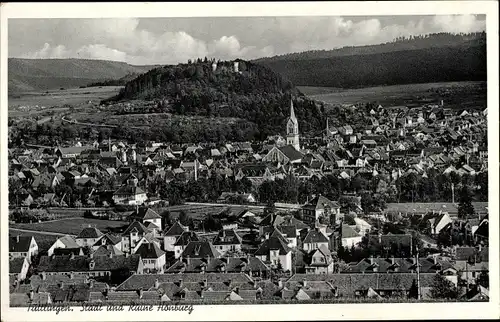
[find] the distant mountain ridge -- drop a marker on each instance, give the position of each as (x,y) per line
(46,74)
(422,59)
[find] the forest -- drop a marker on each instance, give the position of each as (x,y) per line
(253,93)
(436,58)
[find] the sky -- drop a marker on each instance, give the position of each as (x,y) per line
(143,41)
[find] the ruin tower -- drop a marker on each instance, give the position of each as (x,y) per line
(292,129)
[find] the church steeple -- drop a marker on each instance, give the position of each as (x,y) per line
(292,129)
(292,112)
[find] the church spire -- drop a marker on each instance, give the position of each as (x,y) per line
(292,112)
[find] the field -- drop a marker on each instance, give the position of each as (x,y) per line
(72,226)
(454,94)
(74,96)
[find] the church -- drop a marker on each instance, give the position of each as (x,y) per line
(290,153)
(292,129)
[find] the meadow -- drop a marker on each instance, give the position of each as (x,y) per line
(454,94)
(72,226)
(58,98)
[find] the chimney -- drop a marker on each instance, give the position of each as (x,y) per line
(91,283)
(44,276)
(254,283)
(32,294)
(181,283)
(371,260)
(140,293)
(157,283)
(304,282)
(393,260)
(280,283)
(91,255)
(435,260)
(127,254)
(110,254)
(72,256)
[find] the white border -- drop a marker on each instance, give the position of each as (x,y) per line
(262,312)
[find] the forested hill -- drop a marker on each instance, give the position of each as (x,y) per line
(252,92)
(430,58)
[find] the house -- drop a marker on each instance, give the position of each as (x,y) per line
(153,258)
(132,235)
(349,237)
(275,251)
(313,240)
(171,236)
(97,266)
(320,261)
(227,241)
(182,241)
(108,240)
(65,242)
(146,215)
(18,268)
(130,194)
(320,209)
(200,249)
(438,222)
(23,246)
(471,262)
(88,236)
(250,265)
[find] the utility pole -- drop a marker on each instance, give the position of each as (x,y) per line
(452,193)
(418,275)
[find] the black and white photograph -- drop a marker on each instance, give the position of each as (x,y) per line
(158,164)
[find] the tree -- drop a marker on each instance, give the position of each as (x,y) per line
(484,279)
(413,291)
(465,207)
(166,219)
(184,218)
(442,288)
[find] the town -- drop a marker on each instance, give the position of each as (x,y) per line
(391,209)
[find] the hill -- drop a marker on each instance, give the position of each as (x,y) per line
(252,92)
(430,58)
(45,74)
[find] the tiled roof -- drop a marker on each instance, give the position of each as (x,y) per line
(150,250)
(90,232)
(314,236)
(230,265)
(137,281)
(320,202)
(200,249)
(290,152)
(136,226)
(227,237)
(128,190)
(145,213)
(273,243)
(82,263)
(186,237)
(16,264)
(19,244)
(348,284)
(69,241)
